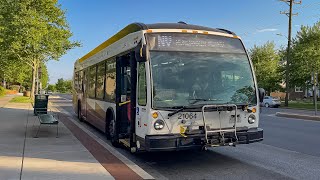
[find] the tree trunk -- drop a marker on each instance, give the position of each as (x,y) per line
(34,74)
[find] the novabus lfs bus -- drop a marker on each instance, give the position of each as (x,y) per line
(169,86)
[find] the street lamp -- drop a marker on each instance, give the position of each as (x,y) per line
(279,34)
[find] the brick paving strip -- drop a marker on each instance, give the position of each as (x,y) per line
(111,163)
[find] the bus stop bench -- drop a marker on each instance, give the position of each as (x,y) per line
(46,119)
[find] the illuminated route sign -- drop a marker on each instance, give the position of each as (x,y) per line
(194,43)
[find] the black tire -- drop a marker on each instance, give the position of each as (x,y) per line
(79,113)
(107,127)
(267,105)
(112,132)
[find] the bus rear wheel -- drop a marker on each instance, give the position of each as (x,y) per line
(79,113)
(112,132)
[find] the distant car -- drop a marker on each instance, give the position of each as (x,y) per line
(270,101)
(49,92)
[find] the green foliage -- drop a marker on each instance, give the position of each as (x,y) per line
(14,87)
(16,72)
(305,55)
(51,87)
(266,64)
(21,99)
(64,86)
(32,32)
(301,105)
(2,91)
(44,76)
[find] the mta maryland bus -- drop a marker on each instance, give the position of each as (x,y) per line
(169,86)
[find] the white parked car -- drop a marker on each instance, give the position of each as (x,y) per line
(270,101)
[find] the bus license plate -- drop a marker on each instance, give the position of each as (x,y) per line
(186,116)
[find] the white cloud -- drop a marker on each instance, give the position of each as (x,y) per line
(267,30)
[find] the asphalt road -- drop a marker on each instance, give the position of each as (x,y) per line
(290,150)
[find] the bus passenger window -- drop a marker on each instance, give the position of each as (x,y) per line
(142,86)
(92,81)
(100,80)
(110,80)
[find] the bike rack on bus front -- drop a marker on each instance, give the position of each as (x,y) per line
(220,131)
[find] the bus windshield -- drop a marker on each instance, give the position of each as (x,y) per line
(184,78)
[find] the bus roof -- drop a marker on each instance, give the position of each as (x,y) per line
(134,27)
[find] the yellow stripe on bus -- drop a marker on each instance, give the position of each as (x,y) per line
(127,30)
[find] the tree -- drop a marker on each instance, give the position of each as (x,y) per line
(266,64)
(60,85)
(68,85)
(44,75)
(305,55)
(33,32)
(51,87)
(64,85)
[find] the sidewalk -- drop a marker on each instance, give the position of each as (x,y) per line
(47,157)
(298,114)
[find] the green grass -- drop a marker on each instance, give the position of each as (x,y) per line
(21,99)
(301,105)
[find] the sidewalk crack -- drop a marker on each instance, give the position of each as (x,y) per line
(24,144)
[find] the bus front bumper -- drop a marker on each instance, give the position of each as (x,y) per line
(196,141)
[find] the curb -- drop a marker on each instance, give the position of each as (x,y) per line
(131,165)
(298,116)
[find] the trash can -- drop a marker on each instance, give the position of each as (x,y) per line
(40,104)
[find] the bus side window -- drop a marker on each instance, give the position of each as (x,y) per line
(142,85)
(110,80)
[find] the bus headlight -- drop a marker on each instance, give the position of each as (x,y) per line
(251,119)
(159,124)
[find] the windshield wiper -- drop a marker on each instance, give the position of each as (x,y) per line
(201,99)
(179,109)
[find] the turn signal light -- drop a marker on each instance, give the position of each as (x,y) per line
(155,115)
(254,110)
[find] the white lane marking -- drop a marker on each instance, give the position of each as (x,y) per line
(116,153)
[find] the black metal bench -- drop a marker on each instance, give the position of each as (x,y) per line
(47,118)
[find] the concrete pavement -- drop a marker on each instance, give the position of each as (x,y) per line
(289,151)
(46,157)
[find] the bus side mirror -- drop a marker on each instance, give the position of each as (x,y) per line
(262,93)
(141,53)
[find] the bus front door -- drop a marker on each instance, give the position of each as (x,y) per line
(123,94)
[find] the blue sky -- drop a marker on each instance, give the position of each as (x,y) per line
(255,21)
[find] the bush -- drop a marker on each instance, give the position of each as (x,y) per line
(22,89)
(2,91)
(15,88)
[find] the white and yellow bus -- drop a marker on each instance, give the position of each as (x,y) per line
(169,86)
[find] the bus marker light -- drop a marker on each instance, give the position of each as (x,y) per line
(184,31)
(254,110)
(149,31)
(155,115)
(194,31)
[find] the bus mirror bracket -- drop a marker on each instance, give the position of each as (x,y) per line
(141,53)
(262,93)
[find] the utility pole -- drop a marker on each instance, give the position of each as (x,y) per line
(289,14)
(314,80)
